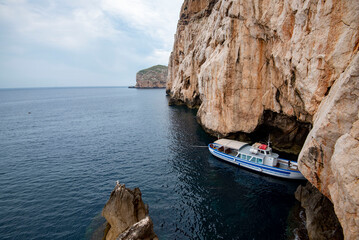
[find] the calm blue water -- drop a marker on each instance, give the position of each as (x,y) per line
(62,149)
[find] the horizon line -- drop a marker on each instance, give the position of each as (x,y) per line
(7,88)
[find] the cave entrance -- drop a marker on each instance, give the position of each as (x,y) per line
(286,134)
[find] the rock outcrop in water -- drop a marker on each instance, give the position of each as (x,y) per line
(127,216)
(289,67)
(153,77)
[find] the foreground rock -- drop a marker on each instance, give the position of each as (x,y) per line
(286,67)
(141,230)
(153,77)
(321,221)
(127,215)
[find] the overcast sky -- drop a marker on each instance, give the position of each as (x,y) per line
(50,43)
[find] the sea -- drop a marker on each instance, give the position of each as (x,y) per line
(63,149)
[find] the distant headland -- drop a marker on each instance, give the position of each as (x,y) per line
(153,77)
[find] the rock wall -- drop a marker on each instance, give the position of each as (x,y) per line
(321,221)
(330,156)
(290,64)
(127,215)
(153,77)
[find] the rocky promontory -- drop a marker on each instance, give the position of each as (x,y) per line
(153,77)
(127,216)
(286,68)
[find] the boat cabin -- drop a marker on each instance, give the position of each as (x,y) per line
(257,153)
(261,148)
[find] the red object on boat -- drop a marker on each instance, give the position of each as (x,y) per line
(263,147)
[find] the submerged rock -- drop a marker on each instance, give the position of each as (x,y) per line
(127,215)
(321,221)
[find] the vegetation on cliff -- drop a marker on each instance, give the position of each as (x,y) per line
(156,68)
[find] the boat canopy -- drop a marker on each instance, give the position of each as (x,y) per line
(231,143)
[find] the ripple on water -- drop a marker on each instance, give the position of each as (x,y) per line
(60,163)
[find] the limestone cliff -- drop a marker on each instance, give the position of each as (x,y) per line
(330,156)
(153,77)
(127,216)
(289,67)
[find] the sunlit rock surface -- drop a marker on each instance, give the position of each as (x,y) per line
(330,156)
(142,230)
(127,215)
(291,65)
(153,77)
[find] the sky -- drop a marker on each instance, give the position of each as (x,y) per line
(63,43)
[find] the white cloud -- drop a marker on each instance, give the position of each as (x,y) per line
(158,56)
(156,18)
(103,37)
(73,25)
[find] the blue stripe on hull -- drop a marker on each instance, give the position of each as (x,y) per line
(258,167)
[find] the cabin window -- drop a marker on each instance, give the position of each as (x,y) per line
(259,160)
(248,157)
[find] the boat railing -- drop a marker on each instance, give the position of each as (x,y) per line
(288,164)
(226,150)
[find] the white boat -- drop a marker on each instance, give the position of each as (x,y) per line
(258,157)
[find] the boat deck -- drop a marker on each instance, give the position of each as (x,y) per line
(282,163)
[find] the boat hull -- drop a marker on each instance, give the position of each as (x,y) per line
(277,172)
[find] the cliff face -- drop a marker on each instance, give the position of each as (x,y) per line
(330,156)
(153,77)
(290,66)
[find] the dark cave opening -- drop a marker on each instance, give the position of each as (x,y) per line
(285,133)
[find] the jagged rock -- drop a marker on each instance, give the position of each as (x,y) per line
(153,77)
(321,221)
(142,230)
(291,65)
(123,212)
